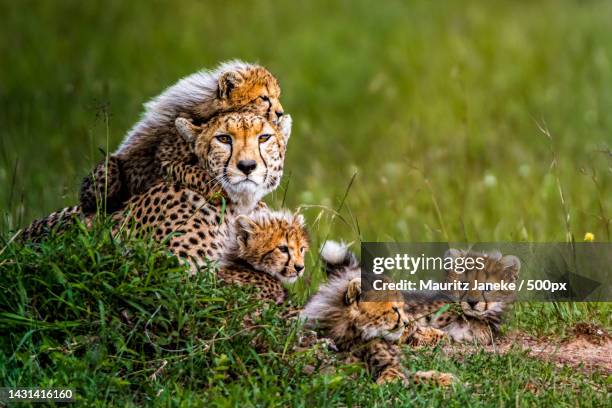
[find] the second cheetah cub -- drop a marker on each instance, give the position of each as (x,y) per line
(266,250)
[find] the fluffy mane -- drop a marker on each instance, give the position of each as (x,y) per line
(183,97)
(327,310)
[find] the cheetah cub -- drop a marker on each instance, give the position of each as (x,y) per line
(367,324)
(474,316)
(266,250)
(153,143)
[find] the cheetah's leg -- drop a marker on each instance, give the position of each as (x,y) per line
(426,336)
(382,359)
(56,221)
(102,188)
(435,377)
(190,176)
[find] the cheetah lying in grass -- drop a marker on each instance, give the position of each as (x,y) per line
(192,213)
(474,316)
(464,316)
(368,325)
(266,250)
(157,145)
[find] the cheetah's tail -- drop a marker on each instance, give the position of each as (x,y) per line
(338,258)
(57,220)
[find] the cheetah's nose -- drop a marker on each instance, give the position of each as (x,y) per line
(472,303)
(279,114)
(247,166)
(299,268)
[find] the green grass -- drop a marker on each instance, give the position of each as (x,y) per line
(121,322)
(460,121)
(424,101)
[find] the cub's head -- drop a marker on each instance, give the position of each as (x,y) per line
(274,242)
(489,268)
(242,151)
(241,84)
(346,314)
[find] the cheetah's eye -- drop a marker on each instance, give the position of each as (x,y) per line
(302,249)
(284,248)
(264,138)
(225,139)
(265,98)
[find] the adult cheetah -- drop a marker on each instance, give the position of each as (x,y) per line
(139,162)
(243,157)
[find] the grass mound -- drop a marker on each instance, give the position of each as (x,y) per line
(122,322)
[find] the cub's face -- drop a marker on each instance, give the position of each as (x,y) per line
(274,242)
(252,86)
(376,314)
(241,151)
(477,302)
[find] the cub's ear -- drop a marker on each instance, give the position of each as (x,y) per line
(495,255)
(187,130)
(512,266)
(285,123)
(353,292)
(299,219)
(452,253)
(244,227)
(227,82)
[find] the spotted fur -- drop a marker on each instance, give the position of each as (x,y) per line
(266,249)
(53,222)
(473,315)
(241,152)
(138,163)
(359,323)
(368,325)
(192,214)
(193,220)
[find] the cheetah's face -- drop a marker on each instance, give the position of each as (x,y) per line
(241,151)
(376,314)
(273,242)
(253,86)
(480,303)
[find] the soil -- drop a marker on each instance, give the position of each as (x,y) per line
(588,348)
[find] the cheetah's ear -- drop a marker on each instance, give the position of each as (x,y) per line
(495,255)
(512,266)
(299,219)
(227,82)
(186,129)
(285,123)
(453,254)
(244,227)
(353,292)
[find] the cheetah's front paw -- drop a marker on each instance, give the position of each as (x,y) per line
(435,377)
(426,336)
(389,375)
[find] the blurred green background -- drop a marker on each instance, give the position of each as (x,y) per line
(448,120)
(436,106)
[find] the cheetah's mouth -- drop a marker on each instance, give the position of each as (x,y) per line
(246,180)
(394,335)
(288,276)
(246,184)
(245,190)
